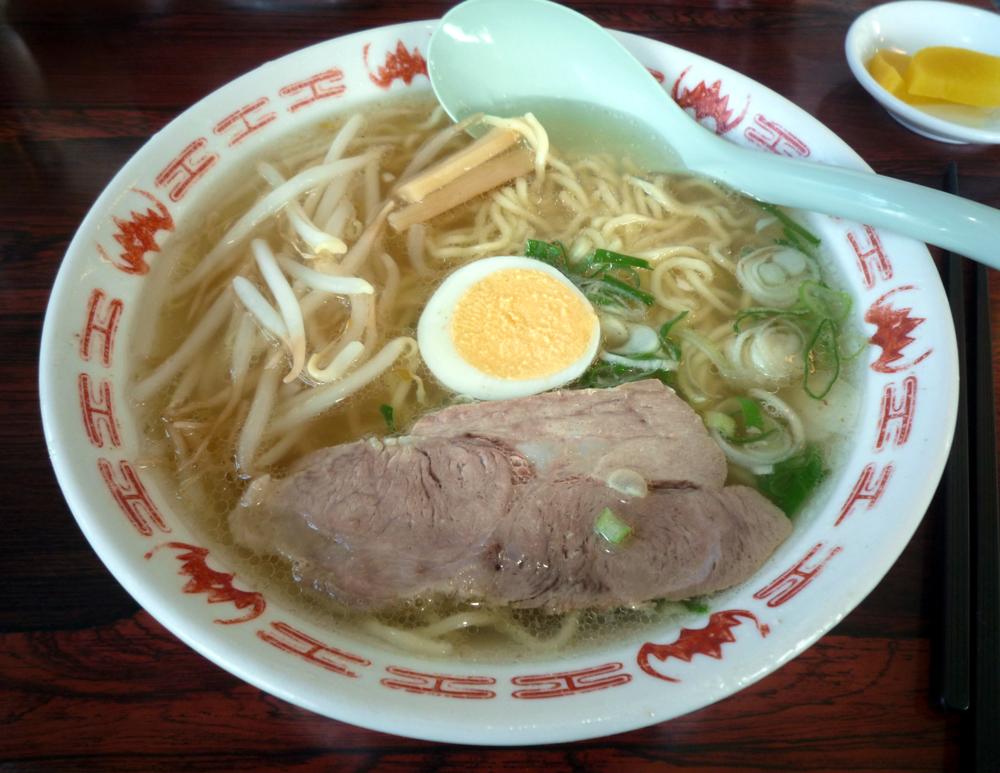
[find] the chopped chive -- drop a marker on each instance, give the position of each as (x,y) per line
(623,288)
(388,416)
(695,605)
(611,527)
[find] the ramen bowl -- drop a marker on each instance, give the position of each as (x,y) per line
(842,544)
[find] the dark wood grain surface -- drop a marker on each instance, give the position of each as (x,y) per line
(89,680)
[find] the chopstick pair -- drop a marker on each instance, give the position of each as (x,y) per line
(969,663)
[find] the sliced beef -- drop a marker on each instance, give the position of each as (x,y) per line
(372,523)
(642,426)
(479,512)
(685,542)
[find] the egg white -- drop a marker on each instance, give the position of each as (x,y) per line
(438,349)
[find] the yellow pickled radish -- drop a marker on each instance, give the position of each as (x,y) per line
(887,68)
(896,58)
(956,75)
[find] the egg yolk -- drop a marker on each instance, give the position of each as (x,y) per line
(519,323)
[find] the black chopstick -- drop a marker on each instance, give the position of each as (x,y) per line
(986,534)
(955,650)
(969,655)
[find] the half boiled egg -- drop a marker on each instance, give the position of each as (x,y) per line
(506,327)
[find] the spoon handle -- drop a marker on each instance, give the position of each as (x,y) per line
(959,225)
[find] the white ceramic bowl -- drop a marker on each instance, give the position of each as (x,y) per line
(840,549)
(914,24)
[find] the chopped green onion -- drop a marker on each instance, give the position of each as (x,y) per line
(793,241)
(670,346)
(623,288)
(822,360)
(751,413)
(721,422)
(609,258)
(600,298)
(791,482)
(851,345)
(629,275)
(759,312)
(748,438)
(820,311)
(672,349)
(656,354)
(791,227)
(664,376)
(553,253)
(823,301)
(668,325)
(388,416)
(739,421)
(695,605)
(611,527)
(593,275)
(602,375)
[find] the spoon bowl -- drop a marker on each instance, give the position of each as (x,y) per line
(508,56)
(482,61)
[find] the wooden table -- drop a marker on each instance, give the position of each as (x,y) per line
(87,679)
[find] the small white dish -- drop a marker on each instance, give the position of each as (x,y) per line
(914,24)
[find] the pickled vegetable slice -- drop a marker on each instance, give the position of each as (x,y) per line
(956,75)
(887,68)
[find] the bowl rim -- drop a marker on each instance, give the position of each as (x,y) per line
(859,34)
(218,648)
